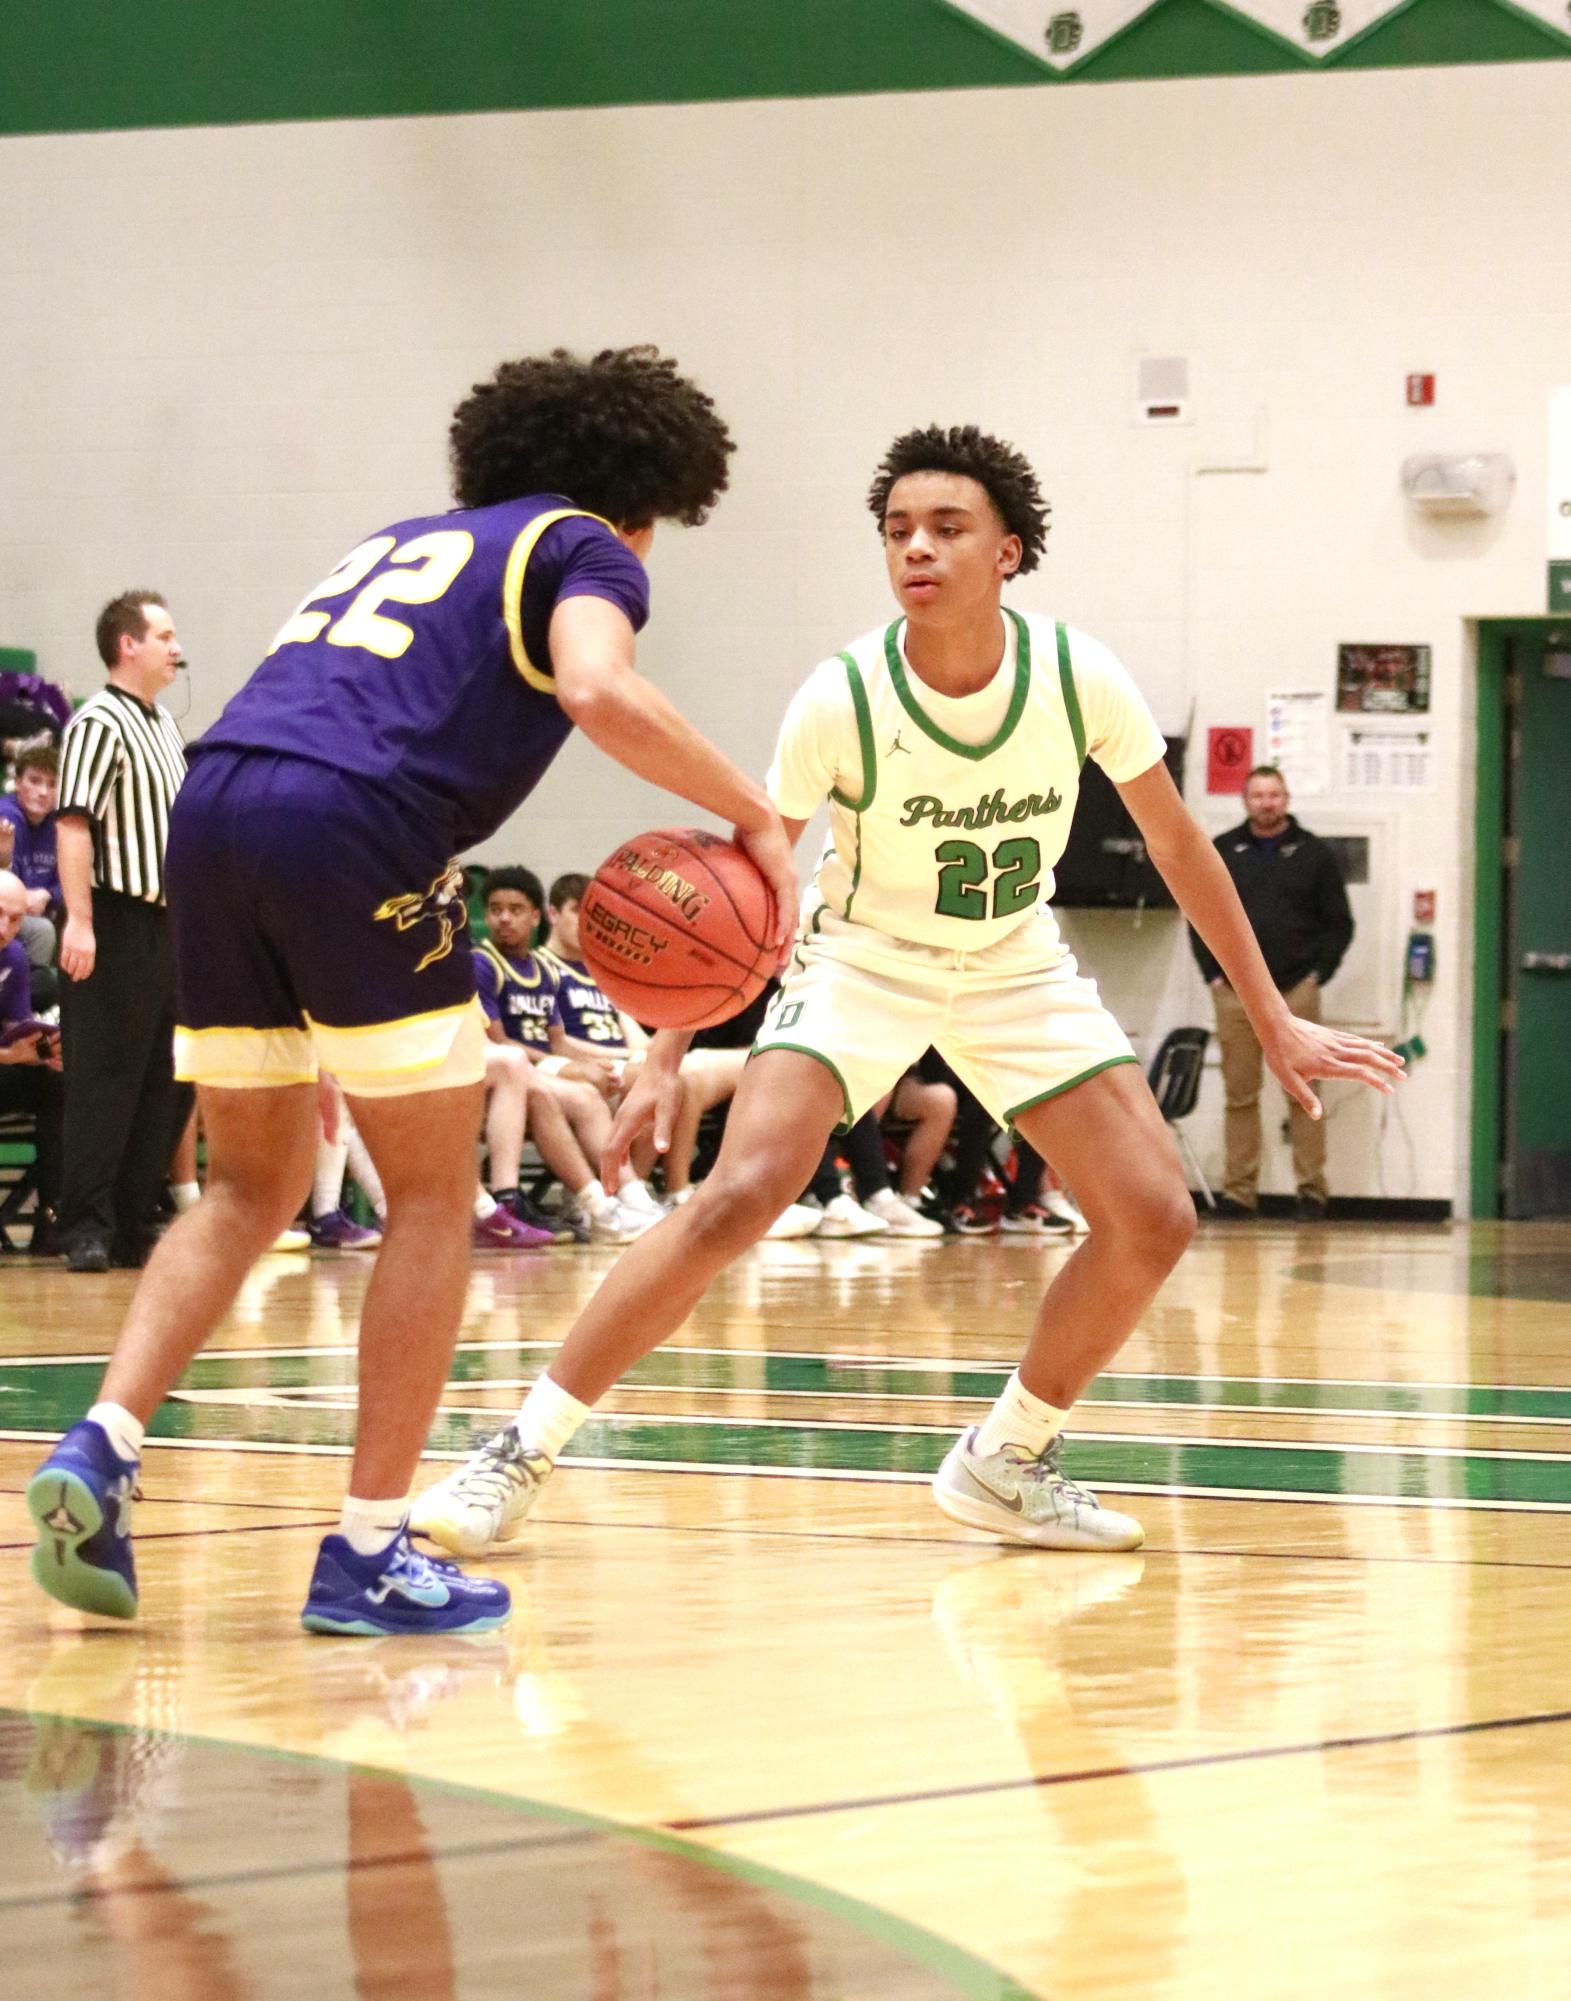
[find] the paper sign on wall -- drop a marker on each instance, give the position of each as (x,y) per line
(1298,738)
(1387,757)
(1229,754)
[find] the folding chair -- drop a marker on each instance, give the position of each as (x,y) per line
(1174,1078)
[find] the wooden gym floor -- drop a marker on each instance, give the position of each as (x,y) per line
(765,1724)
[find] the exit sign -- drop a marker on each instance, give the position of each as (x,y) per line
(1560,587)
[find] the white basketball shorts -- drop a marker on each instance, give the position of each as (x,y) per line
(1017,1022)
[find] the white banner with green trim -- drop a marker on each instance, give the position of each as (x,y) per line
(1063,34)
(1060,33)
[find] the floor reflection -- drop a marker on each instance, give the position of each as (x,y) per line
(161,1868)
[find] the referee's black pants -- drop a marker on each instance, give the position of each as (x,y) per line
(123,1109)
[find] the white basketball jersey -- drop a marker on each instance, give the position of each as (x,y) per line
(943,842)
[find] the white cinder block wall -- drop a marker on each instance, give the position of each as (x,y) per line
(228,354)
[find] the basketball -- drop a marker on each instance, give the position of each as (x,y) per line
(676,928)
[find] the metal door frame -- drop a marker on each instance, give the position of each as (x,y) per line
(1494,645)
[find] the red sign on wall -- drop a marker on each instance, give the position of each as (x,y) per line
(1229,754)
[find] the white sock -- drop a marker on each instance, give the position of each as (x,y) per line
(367,1180)
(369,1526)
(548,1417)
(185,1195)
(633,1189)
(327,1187)
(1018,1418)
(124,1432)
(594,1198)
(485,1205)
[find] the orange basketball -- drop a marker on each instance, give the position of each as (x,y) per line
(676,927)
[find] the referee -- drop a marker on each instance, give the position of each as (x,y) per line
(122,761)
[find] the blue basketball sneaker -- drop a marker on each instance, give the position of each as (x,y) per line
(80,1500)
(398,1591)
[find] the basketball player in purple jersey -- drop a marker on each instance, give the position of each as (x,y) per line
(409,705)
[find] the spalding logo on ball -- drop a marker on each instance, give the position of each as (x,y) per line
(676,928)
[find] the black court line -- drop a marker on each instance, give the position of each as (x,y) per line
(195,1535)
(345,1865)
(186,1501)
(1044,1780)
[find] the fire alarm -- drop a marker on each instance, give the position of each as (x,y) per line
(1420,390)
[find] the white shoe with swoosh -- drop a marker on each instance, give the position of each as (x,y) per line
(1024,1499)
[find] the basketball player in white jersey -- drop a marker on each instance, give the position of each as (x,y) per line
(949,745)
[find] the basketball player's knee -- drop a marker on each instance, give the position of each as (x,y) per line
(741,1200)
(1166,1221)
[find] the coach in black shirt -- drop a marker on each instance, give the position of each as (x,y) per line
(122,761)
(1292,892)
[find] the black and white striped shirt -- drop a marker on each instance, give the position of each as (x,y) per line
(122,764)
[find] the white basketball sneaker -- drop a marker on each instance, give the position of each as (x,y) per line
(1008,1493)
(844,1216)
(1058,1202)
(797,1219)
(903,1217)
(484,1501)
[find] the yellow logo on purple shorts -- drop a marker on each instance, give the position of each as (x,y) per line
(442,904)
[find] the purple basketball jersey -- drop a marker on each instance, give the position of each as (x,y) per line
(422,662)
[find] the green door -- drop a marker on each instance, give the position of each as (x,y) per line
(1536,928)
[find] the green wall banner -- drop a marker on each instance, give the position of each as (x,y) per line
(107,65)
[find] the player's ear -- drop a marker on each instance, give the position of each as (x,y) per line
(1010,550)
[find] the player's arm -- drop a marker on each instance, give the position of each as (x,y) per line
(629,719)
(1297,1051)
(651,1105)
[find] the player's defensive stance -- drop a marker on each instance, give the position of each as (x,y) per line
(407,708)
(949,746)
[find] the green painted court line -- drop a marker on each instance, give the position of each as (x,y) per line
(800,1373)
(41,1402)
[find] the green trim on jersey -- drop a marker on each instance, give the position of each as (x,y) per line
(818,1056)
(856,871)
(918,715)
(864,734)
(1071,699)
(1058,1090)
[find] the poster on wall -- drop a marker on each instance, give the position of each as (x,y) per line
(1383,680)
(1230,751)
(1298,738)
(1387,757)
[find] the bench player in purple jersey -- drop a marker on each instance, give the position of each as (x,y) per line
(407,707)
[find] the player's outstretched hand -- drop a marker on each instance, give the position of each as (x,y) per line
(769,850)
(650,1106)
(1302,1050)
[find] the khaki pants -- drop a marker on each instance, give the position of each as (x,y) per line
(1243,1069)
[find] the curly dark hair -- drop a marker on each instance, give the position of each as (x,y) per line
(522,881)
(622,434)
(999,468)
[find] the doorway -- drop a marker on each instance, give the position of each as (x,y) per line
(1522,977)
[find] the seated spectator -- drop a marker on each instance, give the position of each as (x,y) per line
(1022,1211)
(928,1109)
(30,1079)
(331,1227)
(568,1116)
(32,711)
(605,1046)
(27,826)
